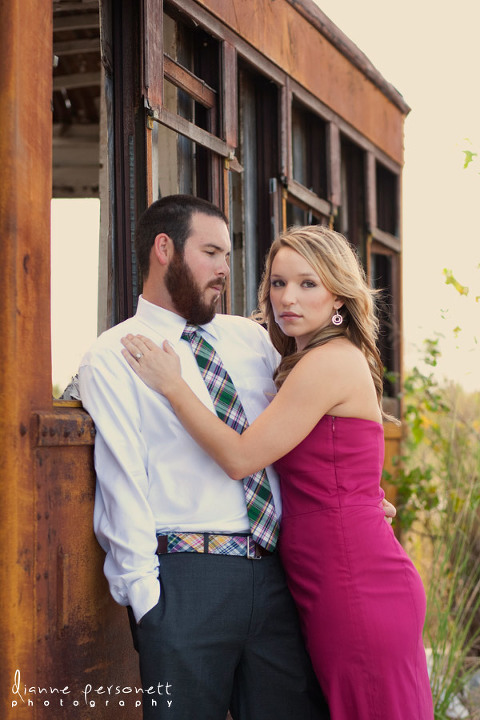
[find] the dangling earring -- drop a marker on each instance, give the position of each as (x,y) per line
(337,319)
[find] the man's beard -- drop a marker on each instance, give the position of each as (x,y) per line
(185,293)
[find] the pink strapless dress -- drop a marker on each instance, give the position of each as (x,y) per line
(360,599)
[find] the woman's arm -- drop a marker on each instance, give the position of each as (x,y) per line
(315,385)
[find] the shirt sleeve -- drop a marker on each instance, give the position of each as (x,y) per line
(123,519)
(271,356)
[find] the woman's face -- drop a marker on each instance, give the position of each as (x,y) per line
(300,301)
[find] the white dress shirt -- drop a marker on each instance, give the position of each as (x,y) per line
(151,476)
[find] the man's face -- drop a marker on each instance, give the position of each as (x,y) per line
(196,279)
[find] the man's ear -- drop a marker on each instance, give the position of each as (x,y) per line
(163,248)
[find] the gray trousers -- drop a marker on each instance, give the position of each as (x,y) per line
(225,636)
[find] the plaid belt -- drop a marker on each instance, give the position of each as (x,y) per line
(211,543)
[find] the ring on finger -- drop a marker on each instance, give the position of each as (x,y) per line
(138,355)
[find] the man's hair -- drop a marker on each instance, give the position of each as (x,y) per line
(171,215)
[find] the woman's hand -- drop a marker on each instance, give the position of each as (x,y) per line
(158,367)
(389,510)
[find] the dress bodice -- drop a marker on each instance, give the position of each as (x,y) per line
(338,464)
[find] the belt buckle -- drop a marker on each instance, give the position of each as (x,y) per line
(249,545)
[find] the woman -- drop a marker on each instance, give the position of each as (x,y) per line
(360,599)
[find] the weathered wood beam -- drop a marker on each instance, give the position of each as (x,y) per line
(79,5)
(77,80)
(74,47)
(390,241)
(193,132)
(76,22)
(184,79)
(305,195)
(229,80)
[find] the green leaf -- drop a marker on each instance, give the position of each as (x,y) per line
(451,280)
(469,155)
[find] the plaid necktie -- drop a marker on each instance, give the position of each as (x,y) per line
(258,495)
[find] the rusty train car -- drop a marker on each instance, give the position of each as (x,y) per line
(262,106)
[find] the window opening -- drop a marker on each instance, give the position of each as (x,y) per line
(387,203)
(253,194)
(191,91)
(309,149)
(302,215)
(350,220)
(383,270)
(77,184)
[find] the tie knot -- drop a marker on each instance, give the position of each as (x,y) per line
(189,332)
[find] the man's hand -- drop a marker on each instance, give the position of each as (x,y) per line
(389,510)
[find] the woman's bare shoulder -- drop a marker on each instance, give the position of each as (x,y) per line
(339,350)
(332,365)
(339,363)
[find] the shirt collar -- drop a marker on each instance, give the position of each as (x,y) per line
(167,323)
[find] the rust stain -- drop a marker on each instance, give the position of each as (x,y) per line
(55,427)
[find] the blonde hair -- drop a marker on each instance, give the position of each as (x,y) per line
(340,271)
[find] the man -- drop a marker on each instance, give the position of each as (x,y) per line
(210,612)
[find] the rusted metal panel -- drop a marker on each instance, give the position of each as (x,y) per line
(83,641)
(298,46)
(62,427)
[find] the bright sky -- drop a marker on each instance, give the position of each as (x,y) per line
(75,231)
(429,51)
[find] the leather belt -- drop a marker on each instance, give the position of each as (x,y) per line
(212,544)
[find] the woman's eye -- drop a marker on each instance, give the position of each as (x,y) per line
(277,283)
(309,284)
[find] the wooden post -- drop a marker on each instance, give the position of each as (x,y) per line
(25,363)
